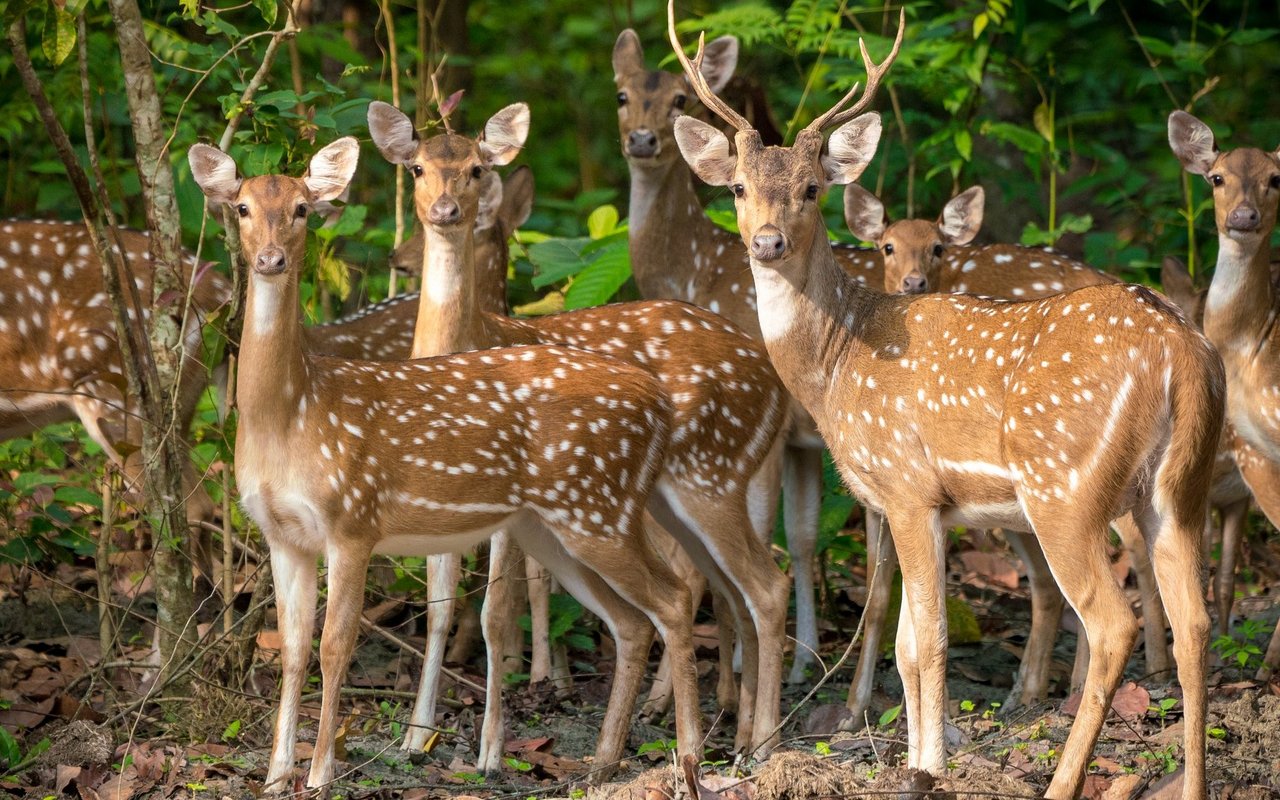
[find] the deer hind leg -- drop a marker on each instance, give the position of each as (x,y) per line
(1075,549)
(1032,683)
(882,562)
(1155,641)
(444,571)
(497,618)
(539,588)
(802,492)
(1224,581)
(348,562)
(294,574)
(1263,478)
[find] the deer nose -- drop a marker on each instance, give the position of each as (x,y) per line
(915,283)
(642,143)
(768,245)
(1243,218)
(444,211)
(270,261)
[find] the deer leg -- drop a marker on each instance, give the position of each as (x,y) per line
(1076,551)
(1263,479)
(1032,683)
(802,488)
(882,562)
(920,542)
(496,620)
(660,694)
(539,587)
(348,562)
(294,573)
(444,571)
(1155,642)
(1224,584)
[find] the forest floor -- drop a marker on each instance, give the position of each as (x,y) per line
(79,731)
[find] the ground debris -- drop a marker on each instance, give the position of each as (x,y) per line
(793,775)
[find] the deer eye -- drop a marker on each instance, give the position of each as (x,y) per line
(680,101)
(301,211)
(887,249)
(739,190)
(1215,179)
(417,170)
(1275,181)
(476,171)
(811,193)
(937,251)
(622,98)
(243,210)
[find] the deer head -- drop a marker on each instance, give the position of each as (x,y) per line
(913,249)
(452,174)
(1245,181)
(649,101)
(776,189)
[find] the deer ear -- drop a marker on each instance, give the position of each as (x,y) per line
(851,148)
(517,199)
(215,173)
(864,213)
(1176,284)
(628,55)
(393,133)
(504,134)
(706,150)
(332,168)
(719,61)
(1192,142)
(961,218)
(490,200)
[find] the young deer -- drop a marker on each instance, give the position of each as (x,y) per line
(728,402)
(949,409)
(1242,303)
(384,331)
(678,253)
(347,458)
(58,354)
(922,256)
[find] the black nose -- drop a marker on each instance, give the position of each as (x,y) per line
(768,246)
(270,261)
(642,143)
(1243,218)
(444,211)
(915,283)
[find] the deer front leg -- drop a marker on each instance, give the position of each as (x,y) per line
(294,573)
(348,561)
(444,571)
(1224,582)
(539,587)
(496,619)
(802,498)
(1156,643)
(882,563)
(1032,683)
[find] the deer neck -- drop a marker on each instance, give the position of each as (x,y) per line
(666,222)
(811,314)
(273,378)
(1239,310)
(448,320)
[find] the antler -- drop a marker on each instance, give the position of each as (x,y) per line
(874,73)
(693,71)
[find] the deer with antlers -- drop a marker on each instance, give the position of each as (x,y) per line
(1241,305)
(949,409)
(729,403)
(346,458)
(678,253)
(59,359)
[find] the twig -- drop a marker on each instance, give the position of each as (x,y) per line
(417,651)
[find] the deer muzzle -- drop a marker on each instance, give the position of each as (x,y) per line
(915,283)
(642,143)
(270,261)
(444,211)
(1244,218)
(769,244)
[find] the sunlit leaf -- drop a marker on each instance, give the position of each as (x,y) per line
(59,37)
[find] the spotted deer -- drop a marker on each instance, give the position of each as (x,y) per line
(384,331)
(728,402)
(1241,305)
(59,358)
(922,256)
(678,253)
(345,458)
(1055,416)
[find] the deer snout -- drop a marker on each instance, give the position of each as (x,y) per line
(915,283)
(768,244)
(270,261)
(1244,218)
(642,143)
(444,211)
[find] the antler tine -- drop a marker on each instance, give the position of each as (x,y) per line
(875,72)
(693,71)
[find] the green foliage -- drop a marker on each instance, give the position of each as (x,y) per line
(564,624)
(1243,646)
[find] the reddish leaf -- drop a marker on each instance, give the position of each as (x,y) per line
(542,743)
(1095,786)
(66,774)
(993,568)
(451,102)
(1130,702)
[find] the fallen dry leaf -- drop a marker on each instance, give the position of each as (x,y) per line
(65,775)
(994,568)
(1130,702)
(1095,787)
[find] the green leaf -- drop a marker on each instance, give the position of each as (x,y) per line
(602,222)
(231,731)
(1251,36)
(891,714)
(601,280)
(557,259)
(980,24)
(268,10)
(77,495)
(964,143)
(1042,118)
(59,33)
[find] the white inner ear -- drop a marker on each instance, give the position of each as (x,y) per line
(504,134)
(490,201)
(962,217)
(719,62)
(215,173)
(863,213)
(706,150)
(392,132)
(331,169)
(851,148)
